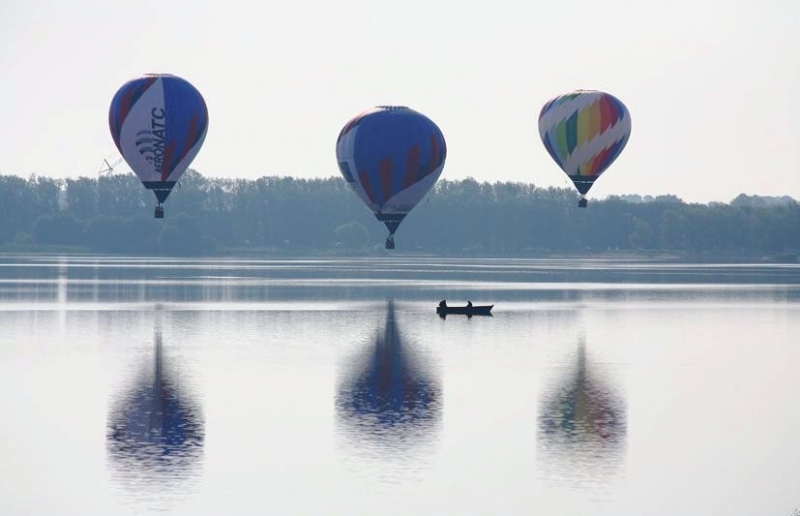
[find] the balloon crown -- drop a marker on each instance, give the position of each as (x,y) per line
(394,108)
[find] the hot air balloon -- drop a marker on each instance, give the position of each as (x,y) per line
(584,132)
(391,156)
(158,123)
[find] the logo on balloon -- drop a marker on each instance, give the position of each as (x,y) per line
(150,142)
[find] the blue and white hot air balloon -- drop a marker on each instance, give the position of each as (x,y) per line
(391,156)
(158,123)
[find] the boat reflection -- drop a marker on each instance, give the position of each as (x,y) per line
(389,404)
(582,426)
(155,430)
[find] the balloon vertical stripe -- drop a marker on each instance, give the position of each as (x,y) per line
(385,176)
(599,160)
(571,132)
(434,162)
(191,136)
(583,126)
(594,121)
(548,144)
(561,138)
(364,179)
(412,166)
(168,153)
(609,114)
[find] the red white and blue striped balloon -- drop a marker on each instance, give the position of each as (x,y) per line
(158,123)
(391,157)
(584,132)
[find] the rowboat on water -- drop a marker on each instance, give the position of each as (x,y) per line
(465,310)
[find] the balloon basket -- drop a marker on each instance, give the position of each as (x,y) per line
(159,214)
(390,243)
(582,203)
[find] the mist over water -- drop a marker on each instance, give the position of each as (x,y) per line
(136,386)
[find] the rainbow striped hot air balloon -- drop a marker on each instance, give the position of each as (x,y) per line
(391,156)
(584,132)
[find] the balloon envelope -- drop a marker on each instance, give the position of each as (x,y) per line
(584,132)
(391,157)
(158,123)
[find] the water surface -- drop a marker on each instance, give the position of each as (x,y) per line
(297,386)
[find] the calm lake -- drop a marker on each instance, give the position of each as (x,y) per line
(330,386)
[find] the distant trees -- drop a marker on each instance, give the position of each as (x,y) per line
(352,235)
(761,201)
(113,214)
(181,235)
(59,228)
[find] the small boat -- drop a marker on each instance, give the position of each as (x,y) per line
(465,310)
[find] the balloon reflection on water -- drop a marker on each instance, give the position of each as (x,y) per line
(389,403)
(582,426)
(155,430)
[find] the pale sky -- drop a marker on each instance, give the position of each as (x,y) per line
(712,85)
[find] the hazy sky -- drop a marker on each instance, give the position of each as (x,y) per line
(712,86)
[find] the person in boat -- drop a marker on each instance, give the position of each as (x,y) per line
(469,304)
(443,303)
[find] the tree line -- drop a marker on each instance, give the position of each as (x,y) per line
(205,215)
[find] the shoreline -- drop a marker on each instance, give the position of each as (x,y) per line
(622,256)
